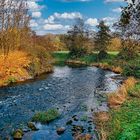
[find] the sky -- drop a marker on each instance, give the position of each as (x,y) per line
(57,16)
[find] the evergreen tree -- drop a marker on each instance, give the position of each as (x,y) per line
(102,39)
(77,39)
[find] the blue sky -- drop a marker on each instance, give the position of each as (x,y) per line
(57,16)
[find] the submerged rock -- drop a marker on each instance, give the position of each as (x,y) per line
(69,122)
(18,134)
(32,126)
(60,130)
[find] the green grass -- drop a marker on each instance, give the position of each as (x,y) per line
(62,56)
(125,122)
(135,92)
(130,67)
(46,117)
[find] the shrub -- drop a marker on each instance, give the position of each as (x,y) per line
(131,70)
(11,80)
(46,117)
(102,55)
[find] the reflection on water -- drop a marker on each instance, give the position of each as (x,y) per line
(74,91)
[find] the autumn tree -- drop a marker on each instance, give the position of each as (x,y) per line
(129,27)
(77,39)
(14,20)
(102,39)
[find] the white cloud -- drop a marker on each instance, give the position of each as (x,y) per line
(50,19)
(114,1)
(92,21)
(53,27)
(33,6)
(36,14)
(65,15)
(117,10)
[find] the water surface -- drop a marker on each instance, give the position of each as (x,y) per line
(75,92)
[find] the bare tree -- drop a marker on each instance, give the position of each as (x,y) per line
(14,20)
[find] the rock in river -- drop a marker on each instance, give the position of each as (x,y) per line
(60,130)
(17,135)
(32,126)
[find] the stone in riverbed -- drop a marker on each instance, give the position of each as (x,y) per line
(83,137)
(17,134)
(60,130)
(69,122)
(32,126)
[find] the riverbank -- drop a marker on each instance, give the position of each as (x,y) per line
(20,66)
(112,62)
(122,121)
(118,123)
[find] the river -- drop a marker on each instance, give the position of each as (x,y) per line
(75,92)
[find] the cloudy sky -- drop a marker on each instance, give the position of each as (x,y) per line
(57,16)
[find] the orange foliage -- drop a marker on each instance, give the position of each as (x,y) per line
(14,65)
(130,83)
(117,69)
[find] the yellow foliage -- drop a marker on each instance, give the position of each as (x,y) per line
(115,44)
(14,65)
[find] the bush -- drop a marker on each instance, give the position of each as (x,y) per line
(11,80)
(41,60)
(46,117)
(131,70)
(102,55)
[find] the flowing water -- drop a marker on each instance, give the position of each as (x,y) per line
(76,92)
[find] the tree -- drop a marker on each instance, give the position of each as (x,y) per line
(14,20)
(102,39)
(129,27)
(77,39)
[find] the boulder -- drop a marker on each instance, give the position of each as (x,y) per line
(32,126)
(17,134)
(60,130)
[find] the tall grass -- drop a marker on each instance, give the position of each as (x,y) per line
(119,97)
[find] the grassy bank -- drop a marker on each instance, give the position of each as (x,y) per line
(62,56)
(129,67)
(123,122)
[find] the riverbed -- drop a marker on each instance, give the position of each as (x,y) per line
(76,92)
